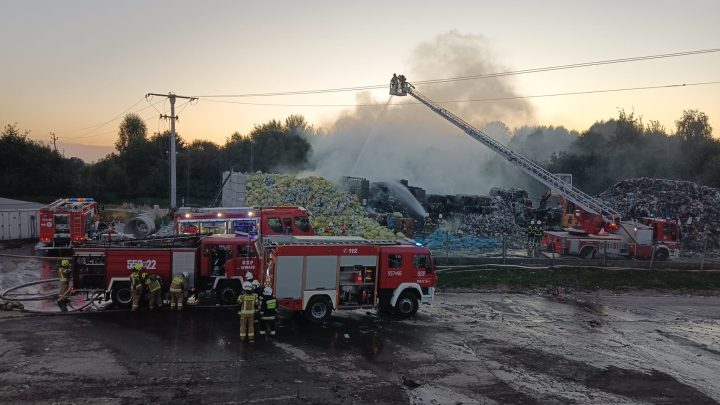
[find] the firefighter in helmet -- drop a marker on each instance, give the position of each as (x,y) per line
(136,286)
(268,308)
(248,302)
(177,290)
(64,273)
(153,283)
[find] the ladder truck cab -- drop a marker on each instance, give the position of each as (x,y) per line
(316,275)
(217,265)
(600,226)
(68,221)
(282,220)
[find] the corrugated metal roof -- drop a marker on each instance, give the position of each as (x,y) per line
(8,204)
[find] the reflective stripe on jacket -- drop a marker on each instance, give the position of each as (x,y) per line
(154,284)
(178,284)
(248,304)
(135,282)
(64,274)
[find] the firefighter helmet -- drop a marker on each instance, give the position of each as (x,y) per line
(255,284)
(137,267)
(186,275)
(248,276)
(532,222)
(247,286)
(65,263)
(267,291)
(539,222)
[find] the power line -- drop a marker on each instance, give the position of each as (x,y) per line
(115,119)
(103,123)
(90,134)
(478,76)
(475,100)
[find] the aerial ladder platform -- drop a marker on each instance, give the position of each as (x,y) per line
(554,182)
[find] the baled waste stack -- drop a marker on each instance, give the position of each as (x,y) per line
(478,222)
(696,207)
(333,212)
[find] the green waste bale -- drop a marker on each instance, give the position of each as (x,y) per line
(333,212)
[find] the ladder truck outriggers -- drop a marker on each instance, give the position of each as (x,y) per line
(600,228)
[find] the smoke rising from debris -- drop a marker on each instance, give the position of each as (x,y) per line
(409,141)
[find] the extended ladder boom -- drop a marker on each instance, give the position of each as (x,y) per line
(555,183)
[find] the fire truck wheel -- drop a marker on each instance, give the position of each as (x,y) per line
(228,295)
(318,309)
(588,252)
(661,254)
(407,304)
(121,296)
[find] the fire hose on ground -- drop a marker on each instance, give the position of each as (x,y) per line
(13,298)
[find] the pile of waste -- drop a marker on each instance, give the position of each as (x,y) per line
(333,212)
(695,207)
(476,222)
(443,239)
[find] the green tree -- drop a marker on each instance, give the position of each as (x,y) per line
(32,170)
(132,130)
(694,125)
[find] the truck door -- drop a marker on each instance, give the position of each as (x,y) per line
(289,277)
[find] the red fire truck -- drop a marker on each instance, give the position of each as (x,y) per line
(216,263)
(67,221)
(310,274)
(650,237)
(266,220)
(320,274)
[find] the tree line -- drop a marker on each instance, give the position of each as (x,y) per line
(626,147)
(138,170)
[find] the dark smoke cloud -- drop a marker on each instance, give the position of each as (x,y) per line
(414,143)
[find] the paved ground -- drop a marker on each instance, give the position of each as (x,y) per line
(467,348)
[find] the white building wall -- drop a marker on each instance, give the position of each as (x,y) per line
(19,224)
(233,192)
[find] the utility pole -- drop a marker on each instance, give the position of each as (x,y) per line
(54,140)
(172,117)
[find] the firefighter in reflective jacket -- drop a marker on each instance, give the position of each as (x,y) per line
(136,286)
(248,302)
(177,291)
(64,273)
(154,289)
(268,308)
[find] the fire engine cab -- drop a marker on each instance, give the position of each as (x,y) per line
(282,220)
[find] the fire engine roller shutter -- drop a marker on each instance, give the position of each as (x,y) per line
(574,245)
(288,279)
(184,261)
(321,273)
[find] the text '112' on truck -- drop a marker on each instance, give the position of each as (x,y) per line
(311,274)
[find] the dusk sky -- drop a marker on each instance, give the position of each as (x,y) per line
(70,66)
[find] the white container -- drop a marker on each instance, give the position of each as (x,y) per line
(19,224)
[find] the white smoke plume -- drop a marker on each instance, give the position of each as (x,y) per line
(412,142)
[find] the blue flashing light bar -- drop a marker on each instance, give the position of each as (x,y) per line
(81,199)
